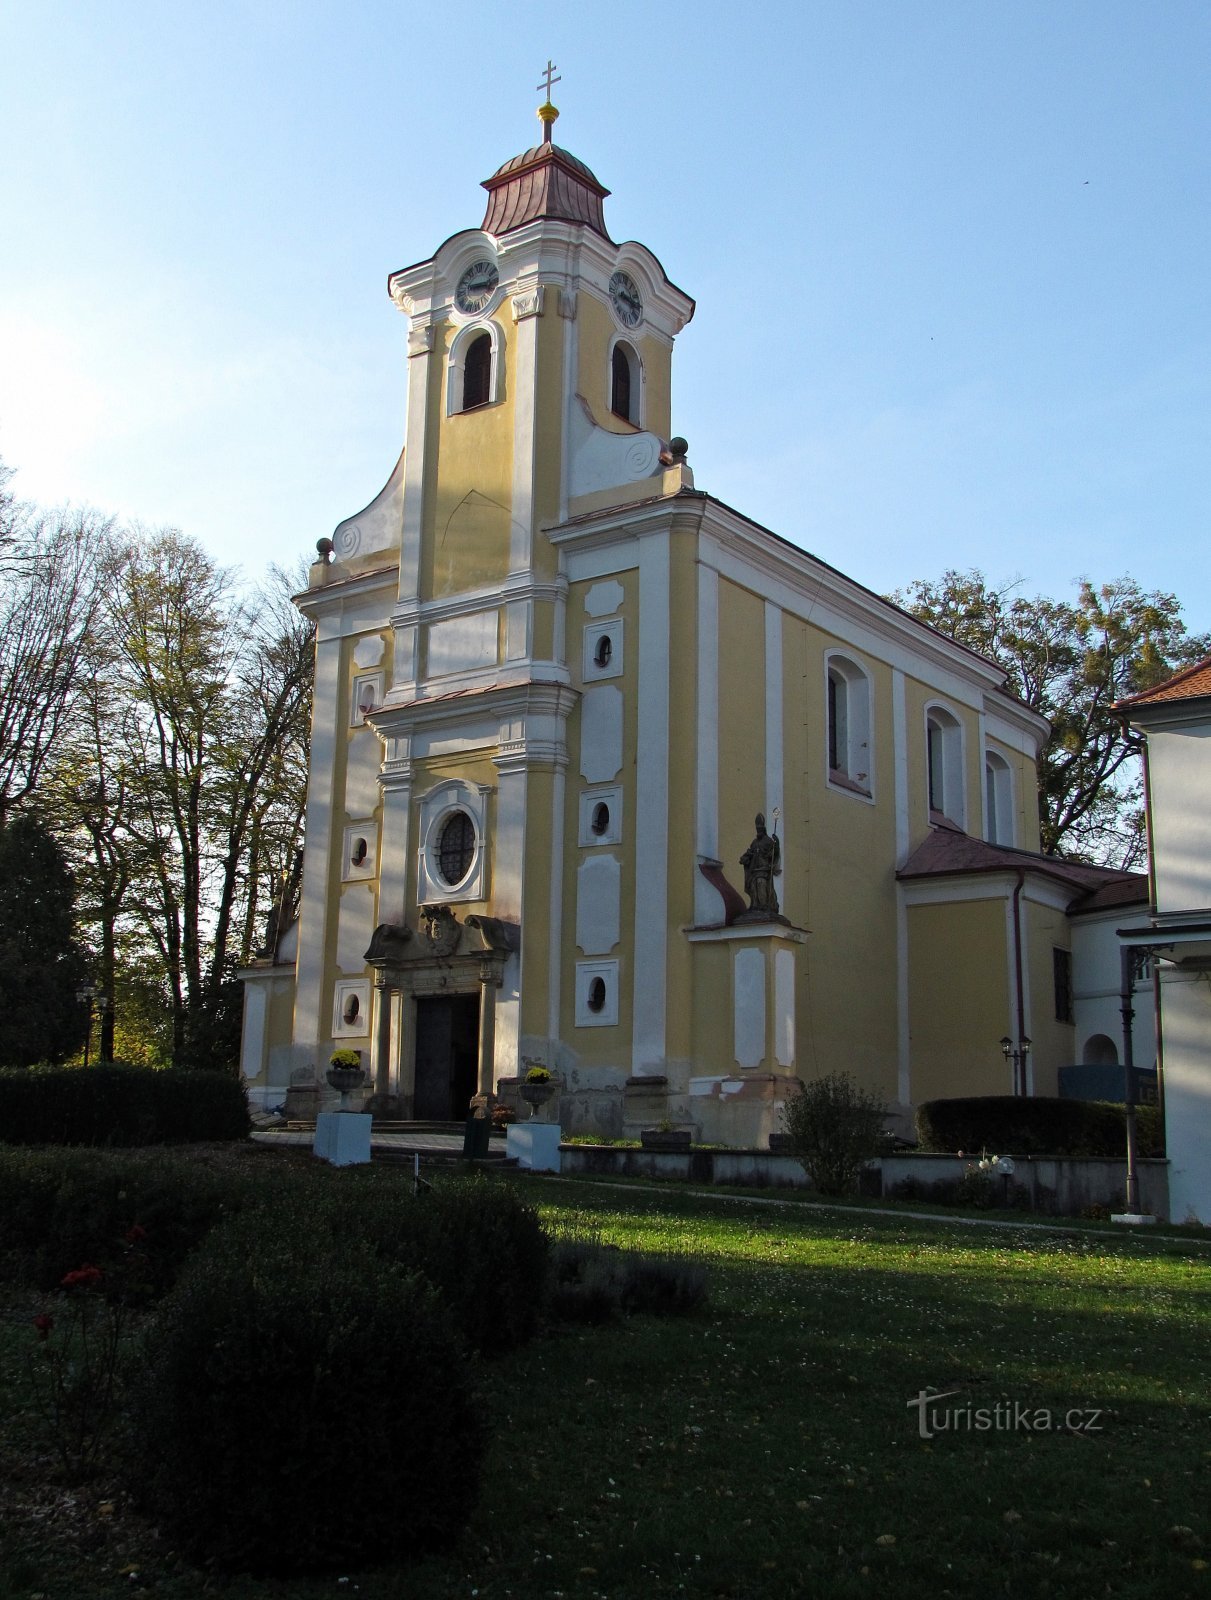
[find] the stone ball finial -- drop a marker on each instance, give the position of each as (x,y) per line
(678,449)
(325,548)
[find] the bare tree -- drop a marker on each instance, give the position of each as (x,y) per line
(50,596)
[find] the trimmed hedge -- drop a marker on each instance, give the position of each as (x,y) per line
(300,1411)
(60,1208)
(480,1245)
(119,1105)
(1035,1126)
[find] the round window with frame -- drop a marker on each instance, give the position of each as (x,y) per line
(455,852)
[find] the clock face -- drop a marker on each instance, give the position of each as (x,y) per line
(624,294)
(476,286)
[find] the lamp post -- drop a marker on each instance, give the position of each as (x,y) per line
(1018,1057)
(98,1004)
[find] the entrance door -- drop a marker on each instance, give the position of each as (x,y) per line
(447,1056)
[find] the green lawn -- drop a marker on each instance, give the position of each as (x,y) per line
(768,1447)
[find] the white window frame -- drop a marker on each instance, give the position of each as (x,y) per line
(586,971)
(611,628)
(999,817)
(589,801)
(856,775)
(953,756)
(372,685)
(353,871)
(456,360)
(359,1028)
(436,808)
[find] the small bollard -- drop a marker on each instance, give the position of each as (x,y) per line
(475,1140)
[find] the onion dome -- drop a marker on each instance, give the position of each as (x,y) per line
(545,182)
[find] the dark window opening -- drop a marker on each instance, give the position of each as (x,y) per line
(597,995)
(1061,966)
(360,849)
(477,372)
(353,1007)
(456,848)
(603,652)
(620,384)
(934,757)
(601,817)
(834,752)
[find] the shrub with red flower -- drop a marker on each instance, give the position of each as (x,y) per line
(84,1277)
(44,1323)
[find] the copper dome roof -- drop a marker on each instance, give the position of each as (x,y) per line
(544,182)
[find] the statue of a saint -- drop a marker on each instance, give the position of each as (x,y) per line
(762,863)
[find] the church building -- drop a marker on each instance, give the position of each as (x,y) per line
(561,694)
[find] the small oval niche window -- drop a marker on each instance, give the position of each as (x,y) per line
(359,852)
(597,995)
(604,651)
(601,818)
(353,1008)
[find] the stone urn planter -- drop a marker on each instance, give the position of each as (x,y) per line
(665,1138)
(345,1073)
(536,1095)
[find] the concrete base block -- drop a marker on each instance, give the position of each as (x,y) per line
(342,1137)
(534,1144)
(1133,1219)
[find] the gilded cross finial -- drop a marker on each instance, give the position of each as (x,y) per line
(547,112)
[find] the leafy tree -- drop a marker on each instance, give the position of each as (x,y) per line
(1071,661)
(41,965)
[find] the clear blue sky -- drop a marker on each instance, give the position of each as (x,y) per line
(950,257)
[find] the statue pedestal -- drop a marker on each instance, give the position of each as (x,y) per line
(535,1145)
(342,1137)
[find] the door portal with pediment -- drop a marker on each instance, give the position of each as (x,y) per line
(447,1056)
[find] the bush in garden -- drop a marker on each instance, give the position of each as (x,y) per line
(475,1240)
(835,1127)
(1025,1125)
(117,1104)
(59,1207)
(594,1283)
(302,1411)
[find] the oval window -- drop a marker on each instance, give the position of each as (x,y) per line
(455,848)
(353,1009)
(597,995)
(601,817)
(603,652)
(359,851)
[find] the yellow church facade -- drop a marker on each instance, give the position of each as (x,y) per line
(555,684)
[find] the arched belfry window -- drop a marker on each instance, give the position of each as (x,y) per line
(474,377)
(626,381)
(477,372)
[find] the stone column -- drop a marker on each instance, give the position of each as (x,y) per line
(489,980)
(380,1044)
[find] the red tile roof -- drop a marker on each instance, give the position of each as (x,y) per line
(1192,683)
(949,851)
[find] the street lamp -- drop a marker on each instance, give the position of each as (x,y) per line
(89,993)
(1018,1057)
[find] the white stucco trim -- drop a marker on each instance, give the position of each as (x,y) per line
(328,724)
(774,739)
(555,910)
(899,728)
(706,776)
(903,1032)
(652,805)
(525,435)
